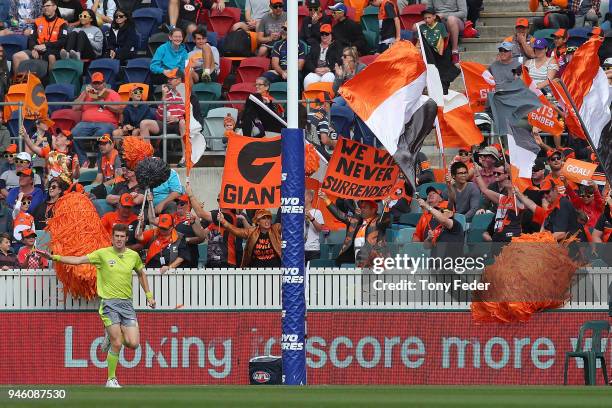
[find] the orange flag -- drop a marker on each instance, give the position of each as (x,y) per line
(187,134)
(35,102)
(456,121)
(478,82)
(571,120)
(545,117)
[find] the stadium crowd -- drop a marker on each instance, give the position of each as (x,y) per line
(93,51)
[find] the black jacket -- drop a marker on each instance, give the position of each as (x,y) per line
(333,57)
(311,32)
(348,33)
(124,43)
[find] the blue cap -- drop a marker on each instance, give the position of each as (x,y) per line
(339,7)
(506,45)
(540,44)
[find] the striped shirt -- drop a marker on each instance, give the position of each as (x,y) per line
(176,106)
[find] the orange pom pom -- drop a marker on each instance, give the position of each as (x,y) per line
(135,149)
(312,160)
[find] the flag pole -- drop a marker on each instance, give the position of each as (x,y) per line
(582,125)
(509,166)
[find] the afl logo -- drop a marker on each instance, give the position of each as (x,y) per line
(261,377)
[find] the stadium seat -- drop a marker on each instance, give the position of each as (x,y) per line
(367,59)
(342,119)
(155,41)
(66,119)
(222,21)
(322,263)
(68,71)
(213,129)
(369,19)
(207,91)
(225,68)
(336,237)
(102,207)
(460,218)
(404,235)
(87,177)
(37,67)
(278,90)
(410,218)
(13,125)
(481,221)
(203,254)
(422,189)
(108,67)
(43,239)
(137,70)
(578,36)
(162,5)
(410,15)
(251,68)
(16,93)
(302,14)
(371,38)
(147,20)
(59,93)
(589,356)
(240,92)
(12,44)
(124,90)
(348,266)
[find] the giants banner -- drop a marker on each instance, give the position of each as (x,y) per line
(359,171)
(252,172)
(478,82)
(341,348)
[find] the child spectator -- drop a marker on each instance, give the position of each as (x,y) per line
(21,219)
(27,256)
(434,31)
(8,260)
(132,116)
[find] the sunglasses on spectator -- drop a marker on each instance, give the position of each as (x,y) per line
(120,16)
(19,161)
(325,34)
(259,84)
(555,158)
(587,194)
(313,9)
(84,15)
(346,55)
(461,173)
(8,156)
(53,187)
(498,173)
(26,202)
(137,92)
(464,153)
(97,83)
(277,6)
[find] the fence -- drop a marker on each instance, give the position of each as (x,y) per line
(260,289)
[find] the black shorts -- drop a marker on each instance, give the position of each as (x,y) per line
(44,55)
(171,128)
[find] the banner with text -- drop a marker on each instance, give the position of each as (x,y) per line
(359,171)
(578,171)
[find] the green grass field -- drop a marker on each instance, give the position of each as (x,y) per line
(322,396)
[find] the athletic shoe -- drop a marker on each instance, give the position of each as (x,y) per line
(454,57)
(64,54)
(106,344)
(112,383)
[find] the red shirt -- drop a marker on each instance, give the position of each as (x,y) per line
(97,113)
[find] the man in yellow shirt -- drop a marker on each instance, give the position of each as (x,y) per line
(114,284)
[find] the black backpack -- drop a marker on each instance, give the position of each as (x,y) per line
(237,44)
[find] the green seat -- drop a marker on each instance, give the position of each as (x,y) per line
(404,235)
(68,71)
(481,221)
(43,239)
(414,249)
(460,218)
(590,357)
(369,19)
(87,177)
(348,265)
(336,237)
(203,254)
(422,189)
(371,38)
(545,33)
(278,90)
(410,218)
(102,207)
(322,263)
(207,91)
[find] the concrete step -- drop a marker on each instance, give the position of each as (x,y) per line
(518,6)
(483,57)
(480,44)
(499,32)
(504,18)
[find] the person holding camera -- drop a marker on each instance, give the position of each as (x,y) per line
(505,68)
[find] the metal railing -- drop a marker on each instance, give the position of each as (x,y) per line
(260,289)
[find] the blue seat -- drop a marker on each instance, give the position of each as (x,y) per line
(162,5)
(59,93)
(102,207)
(342,119)
(67,71)
(404,235)
(155,41)
(137,70)
(460,218)
(410,218)
(107,66)
(12,44)
(147,20)
(578,36)
(13,125)
(87,177)
(336,237)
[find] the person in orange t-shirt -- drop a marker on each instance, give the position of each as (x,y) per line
(434,199)
(123,215)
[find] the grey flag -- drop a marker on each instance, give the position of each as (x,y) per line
(511,105)
(523,138)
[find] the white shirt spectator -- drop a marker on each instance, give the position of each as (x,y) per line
(311,241)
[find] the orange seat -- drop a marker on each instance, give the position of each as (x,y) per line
(124,90)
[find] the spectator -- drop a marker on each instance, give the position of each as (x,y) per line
(388,19)
(22,220)
(501,176)
(185,14)
(588,200)
(254,11)
(27,256)
(44,211)
(205,56)
(434,200)
(487,157)
(444,230)
(601,233)
(505,69)
(26,186)
(70,10)
(463,195)
(263,242)
(169,56)
(224,249)
(322,58)
(165,194)
(190,227)
(85,40)
(313,224)
(538,172)
(5,82)
(10,179)
(133,115)
(121,39)
(125,215)
(561,217)
(434,31)
(175,111)
(311,25)
(365,233)
(9,158)
(556,162)
(129,185)
(270,27)
(279,59)
(522,41)
(18,16)
(41,139)
(453,14)
(424,173)
(60,159)
(464,155)
(346,32)
(8,260)
(105,10)
(560,38)
(321,135)
(109,163)
(542,67)
(254,121)
(349,68)
(555,14)
(49,38)
(166,248)
(400,198)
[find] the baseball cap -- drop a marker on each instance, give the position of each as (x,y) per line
(276,1)
(428,11)
(607,63)
(24,156)
(105,138)
(165,221)
(562,32)
(540,44)
(261,213)
(432,188)
(596,31)
(506,45)
(97,77)
(553,152)
(135,87)
(25,172)
(568,153)
(571,50)
(28,233)
(338,7)
(313,3)
(538,165)
(521,22)
(325,28)
(12,148)
(126,200)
